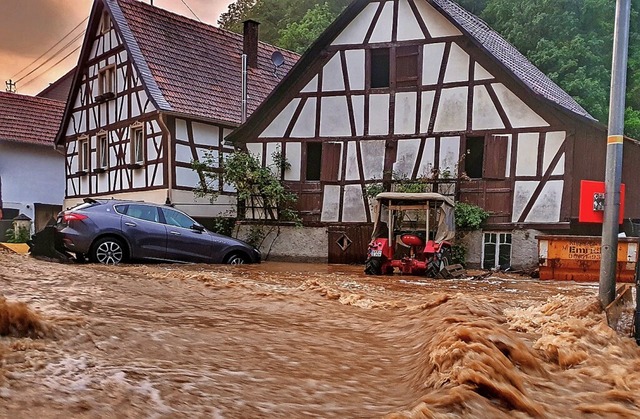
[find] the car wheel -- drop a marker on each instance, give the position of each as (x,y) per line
(373,266)
(236,259)
(108,251)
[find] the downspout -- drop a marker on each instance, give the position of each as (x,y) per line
(169,163)
(243,117)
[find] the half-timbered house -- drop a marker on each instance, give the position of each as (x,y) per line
(31,171)
(422,89)
(152,92)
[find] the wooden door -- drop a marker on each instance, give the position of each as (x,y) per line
(348,244)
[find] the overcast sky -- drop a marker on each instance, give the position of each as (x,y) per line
(28,28)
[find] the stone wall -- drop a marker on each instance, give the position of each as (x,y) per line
(289,243)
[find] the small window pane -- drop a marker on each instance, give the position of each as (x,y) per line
(143,212)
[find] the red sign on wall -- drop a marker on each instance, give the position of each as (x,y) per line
(592,202)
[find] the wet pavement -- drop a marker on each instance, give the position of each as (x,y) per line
(301,340)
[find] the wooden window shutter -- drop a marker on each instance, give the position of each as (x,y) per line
(407,66)
(495,156)
(330,161)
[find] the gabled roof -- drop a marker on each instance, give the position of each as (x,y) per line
(510,57)
(187,67)
(59,89)
(478,32)
(29,119)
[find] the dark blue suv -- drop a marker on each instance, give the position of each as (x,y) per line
(113,231)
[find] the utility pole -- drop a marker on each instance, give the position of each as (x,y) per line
(11,86)
(613,171)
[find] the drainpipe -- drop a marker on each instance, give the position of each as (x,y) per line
(244,89)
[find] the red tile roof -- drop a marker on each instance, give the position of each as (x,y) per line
(197,67)
(29,119)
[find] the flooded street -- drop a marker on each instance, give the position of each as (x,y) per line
(296,340)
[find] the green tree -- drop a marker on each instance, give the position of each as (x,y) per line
(297,36)
(236,13)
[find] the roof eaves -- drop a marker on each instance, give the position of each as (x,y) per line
(137,57)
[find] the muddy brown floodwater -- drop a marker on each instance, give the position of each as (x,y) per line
(294,340)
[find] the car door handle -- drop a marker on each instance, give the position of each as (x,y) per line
(175,233)
(130,224)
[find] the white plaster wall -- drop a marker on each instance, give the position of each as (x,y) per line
(294,157)
(312,86)
(305,126)
(353,209)
(428,158)
(382,31)
(31,174)
(406,155)
(553,142)
(449,154)
(379,114)
(437,24)
(480,73)
(485,115)
(408,27)
(519,113)
(352,168)
(373,158)
(205,134)
(356,30)
(357,102)
(280,123)
(405,113)
(426,109)
(334,117)
(452,110)
(527,154)
(332,78)
(547,207)
(255,149)
(355,68)
(431,62)
(457,66)
(523,191)
(330,204)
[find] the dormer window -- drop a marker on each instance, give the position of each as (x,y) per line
(107,80)
(105,23)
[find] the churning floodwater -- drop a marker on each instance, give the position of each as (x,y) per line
(296,340)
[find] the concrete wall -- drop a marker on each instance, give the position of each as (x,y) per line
(524,248)
(292,244)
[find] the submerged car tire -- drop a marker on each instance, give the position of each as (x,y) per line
(108,251)
(236,259)
(373,266)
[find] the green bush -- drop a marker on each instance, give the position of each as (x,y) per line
(469,216)
(19,236)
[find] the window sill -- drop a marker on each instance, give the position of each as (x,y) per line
(82,172)
(104,97)
(134,166)
(99,170)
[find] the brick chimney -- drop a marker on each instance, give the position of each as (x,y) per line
(250,42)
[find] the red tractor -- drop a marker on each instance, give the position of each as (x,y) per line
(412,233)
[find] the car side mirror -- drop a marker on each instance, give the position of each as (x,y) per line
(197,227)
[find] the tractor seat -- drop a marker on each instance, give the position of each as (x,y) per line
(411,240)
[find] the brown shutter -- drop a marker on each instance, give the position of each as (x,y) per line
(407,66)
(495,156)
(330,161)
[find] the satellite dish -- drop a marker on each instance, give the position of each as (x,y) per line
(277,59)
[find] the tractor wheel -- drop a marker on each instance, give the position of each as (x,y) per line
(445,260)
(373,266)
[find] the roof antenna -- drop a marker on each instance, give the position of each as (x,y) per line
(277,59)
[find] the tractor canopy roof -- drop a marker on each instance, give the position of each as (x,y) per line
(423,197)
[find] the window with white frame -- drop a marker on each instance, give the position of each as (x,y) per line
(83,154)
(138,149)
(103,150)
(496,250)
(107,79)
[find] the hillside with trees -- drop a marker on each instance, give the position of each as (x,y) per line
(569,40)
